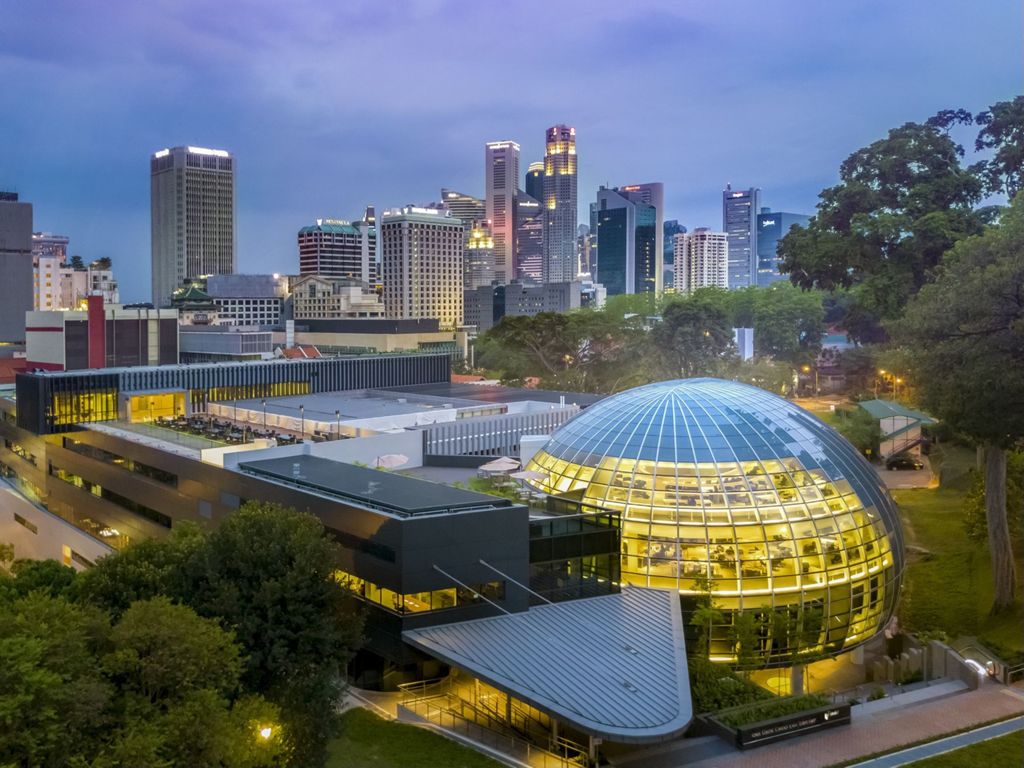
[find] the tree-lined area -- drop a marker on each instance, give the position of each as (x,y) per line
(225,649)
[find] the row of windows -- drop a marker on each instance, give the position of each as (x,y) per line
(107,495)
(421,602)
(19,450)
(99,454)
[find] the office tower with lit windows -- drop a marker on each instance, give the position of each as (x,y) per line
(586,250)
(560,203)
(529,238)
(628,260)
(422,265)
(534,185)
(15,266)
(501,164)
(341,249)
(701,260)
(653,194)
(739,222)
(192,202)
(464,207)
(478,257)
(772,226)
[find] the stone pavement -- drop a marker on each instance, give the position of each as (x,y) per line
(867,734)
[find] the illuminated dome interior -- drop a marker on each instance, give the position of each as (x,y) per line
(727,486)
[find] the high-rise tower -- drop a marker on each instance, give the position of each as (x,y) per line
(560,203)
(534,186)
(739,222)
(192,201)
(501,163)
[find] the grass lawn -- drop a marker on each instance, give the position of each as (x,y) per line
(368,741)
(949,588)
(1002,751)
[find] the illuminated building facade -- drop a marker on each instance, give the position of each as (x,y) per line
(478,260)
(342,249)
(730,493)
(192,203)
(701,260)
(560,202)
(501,163)
(422,264)
(529,238)
(772,226)
(466,208)
(739,222)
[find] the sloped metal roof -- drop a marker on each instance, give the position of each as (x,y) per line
(613,666)
(884,409)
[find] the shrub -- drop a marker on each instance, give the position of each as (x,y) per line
(714,687)
(769,710)
(878,693)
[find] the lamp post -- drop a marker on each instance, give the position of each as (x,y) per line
(264,402)
(302,420)
(337,418)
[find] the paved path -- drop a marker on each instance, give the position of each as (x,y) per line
(869,733)
(942,746)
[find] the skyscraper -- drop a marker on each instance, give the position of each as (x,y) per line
(478,259)
(535,180)
(465,207)
(701,260)
(628,260)
(772,227)
(16,289)
(422,265)
(560,203)
(586,251)
(339,248)
(653,194)
(192,201)
(739,222)
(529,238)
(501,164)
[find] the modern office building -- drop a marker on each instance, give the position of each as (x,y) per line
(223,343)
(422,260)
(529,238)
(560,205)
(478,259)
(486,305)
(628,228)
(501,164)
(739,222)
(772,226)
(315,297)
(250,300)
(15,265)
(100,336)
(534,183)
(50,245)
(671,228)
(653,194)
(343,249)
(586,250)
(192,201)
(721,481)
(466,208)
(701,260)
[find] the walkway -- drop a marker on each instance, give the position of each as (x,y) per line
(868,734)
(942,746)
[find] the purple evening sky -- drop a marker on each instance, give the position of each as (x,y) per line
(329,106)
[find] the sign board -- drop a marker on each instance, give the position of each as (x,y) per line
(768,731)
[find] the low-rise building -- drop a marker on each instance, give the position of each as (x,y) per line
(375,335)
(251,300)
(486,305)
(319,297)
(58,285)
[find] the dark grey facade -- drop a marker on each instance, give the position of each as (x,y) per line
(772,226)
(15,266)
(739,222)
(485,306)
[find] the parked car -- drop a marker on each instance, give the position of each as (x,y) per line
(904,462)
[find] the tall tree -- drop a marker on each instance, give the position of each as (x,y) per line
(965,335)
(901,203)
(1003,132)
(694,336)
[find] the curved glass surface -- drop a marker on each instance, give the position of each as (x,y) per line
(727,486)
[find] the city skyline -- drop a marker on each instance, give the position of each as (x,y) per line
(107,90)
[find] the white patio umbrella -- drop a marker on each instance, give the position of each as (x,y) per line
(529,474)
(502,464)
(390,460)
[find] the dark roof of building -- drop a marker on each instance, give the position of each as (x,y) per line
(614,666)
(491,393)
(385,491)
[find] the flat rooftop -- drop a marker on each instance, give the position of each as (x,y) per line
(385,491)
(351,404)
(490,393)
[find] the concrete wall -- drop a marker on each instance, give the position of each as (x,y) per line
(17,290)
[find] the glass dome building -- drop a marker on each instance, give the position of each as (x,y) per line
(726,487)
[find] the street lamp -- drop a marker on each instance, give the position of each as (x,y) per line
(264,401)
(302,419)
(266,732)
(337,417)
